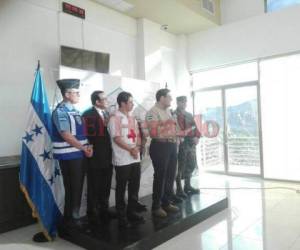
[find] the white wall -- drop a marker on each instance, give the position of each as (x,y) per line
(28,33)
(235,10)
(140,50)
(157,53)
(182,72)
(106,17)
(265,35)
(35,29)
(103,30)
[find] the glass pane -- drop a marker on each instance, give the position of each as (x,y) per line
(210,151)
(242,130)
(280,102)
(273,5)
(223,76)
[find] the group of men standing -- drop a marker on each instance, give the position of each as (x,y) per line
(97,142)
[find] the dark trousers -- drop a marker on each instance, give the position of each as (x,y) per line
(164,160)
(99,184)
(127,175)
(73,175)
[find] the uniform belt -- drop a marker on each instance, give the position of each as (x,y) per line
(164,140)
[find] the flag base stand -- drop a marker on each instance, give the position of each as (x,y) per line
(154,231)
(39,237)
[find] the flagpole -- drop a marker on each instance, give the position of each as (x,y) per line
(38,66)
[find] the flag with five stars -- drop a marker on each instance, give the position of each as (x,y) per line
(40,175)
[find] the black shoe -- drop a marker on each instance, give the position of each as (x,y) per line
(40,238)
(176,199)
(104,219)
(139,207)
(107,215)
(123,222)
(93,220)
(112,214)
(133,216)
(80,224)
(190,190)
(181,194)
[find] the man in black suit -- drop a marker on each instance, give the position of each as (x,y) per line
(99,167)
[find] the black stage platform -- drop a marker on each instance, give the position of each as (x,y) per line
(154,231)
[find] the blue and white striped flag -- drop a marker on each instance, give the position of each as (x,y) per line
(40,175)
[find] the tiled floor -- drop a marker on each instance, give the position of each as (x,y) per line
(261,216)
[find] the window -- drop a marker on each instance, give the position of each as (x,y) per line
(247,72)
(279,91)
(273,5)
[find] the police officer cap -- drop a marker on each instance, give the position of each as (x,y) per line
(64,84)
(181,99)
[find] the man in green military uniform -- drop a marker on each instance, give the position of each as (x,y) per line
(187,159)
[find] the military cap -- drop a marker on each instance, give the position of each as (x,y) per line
(64,84)
(181,98)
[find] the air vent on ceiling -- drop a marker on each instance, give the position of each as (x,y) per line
(119,5)
(209,6)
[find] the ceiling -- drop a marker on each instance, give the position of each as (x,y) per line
(181,16)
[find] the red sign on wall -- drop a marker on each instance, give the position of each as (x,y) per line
(73,10)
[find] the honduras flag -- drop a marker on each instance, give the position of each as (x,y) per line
(40,175)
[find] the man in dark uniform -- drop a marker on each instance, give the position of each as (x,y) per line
(69,147)
(187,159)
(99,166)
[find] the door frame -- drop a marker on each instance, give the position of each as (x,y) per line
(223,89)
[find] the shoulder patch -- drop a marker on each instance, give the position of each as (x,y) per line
(62,119)
(61,108)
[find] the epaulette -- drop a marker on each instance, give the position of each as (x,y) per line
(61,107)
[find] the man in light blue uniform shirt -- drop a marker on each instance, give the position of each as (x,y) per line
(69,147)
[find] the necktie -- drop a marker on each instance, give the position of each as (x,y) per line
(105,117)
